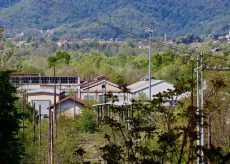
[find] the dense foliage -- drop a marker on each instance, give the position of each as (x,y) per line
(7,3)
(11,149)
(75,18)
(158,133)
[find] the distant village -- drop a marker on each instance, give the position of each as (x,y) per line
(72,93)
(19,41)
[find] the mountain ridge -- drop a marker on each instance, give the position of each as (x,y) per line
(74,18)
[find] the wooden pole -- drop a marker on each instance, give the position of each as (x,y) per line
(40,130)
(55,110)
(192,107)
(51,155)
(209,135)
(34,128)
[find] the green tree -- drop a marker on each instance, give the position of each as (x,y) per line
(87,121)
(1,32)
(59,57)
(153,135)
(11,149)
(9,60)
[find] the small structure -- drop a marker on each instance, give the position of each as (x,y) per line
(122,111)
(98,88)
(141,88)
(69,106)
(43,98)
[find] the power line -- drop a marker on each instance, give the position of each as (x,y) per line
(219,57)
(128,33)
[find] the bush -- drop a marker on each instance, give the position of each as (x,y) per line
(87,121)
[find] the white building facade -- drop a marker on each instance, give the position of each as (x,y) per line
(140,89)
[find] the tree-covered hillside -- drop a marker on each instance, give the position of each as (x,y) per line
(7,3)
(73,18)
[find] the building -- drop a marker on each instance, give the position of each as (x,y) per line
(98,87)
(34,81)
(140,89)
(69,106)
(43,98)
(40,89)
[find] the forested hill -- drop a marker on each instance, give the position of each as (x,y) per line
(73,18)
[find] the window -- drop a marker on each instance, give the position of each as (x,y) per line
(44,79)
(34,80)
(64,79)
(56,79)
(25,80)
(15,80)
(72,80)
(88,97)
(101,98)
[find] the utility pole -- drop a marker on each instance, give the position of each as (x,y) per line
(34,129)
(74,104)
(192,107)
(202,110)
(23,121)
(54,109)
(51,155)
(150,31)
(23,110)
(40,130)
(198,106)
(60,98)
(150,77)
(209,134)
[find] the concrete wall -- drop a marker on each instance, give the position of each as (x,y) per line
(67,108)
(154,90)
(42,97)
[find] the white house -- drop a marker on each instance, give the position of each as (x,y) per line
(69,106)
(141,88)
(98,87)
(43,98)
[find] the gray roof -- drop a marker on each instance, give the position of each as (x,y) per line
(49,91)
(141,85)
(116,103)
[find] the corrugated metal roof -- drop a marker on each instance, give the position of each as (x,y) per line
(116,103)
(44,91)
(77,100)
(140,85)
(97,82)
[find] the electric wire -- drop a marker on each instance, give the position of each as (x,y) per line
(126,32)
(179,50)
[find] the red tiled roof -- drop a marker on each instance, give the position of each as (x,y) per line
(77,100)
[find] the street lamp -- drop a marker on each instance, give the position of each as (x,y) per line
(150,31)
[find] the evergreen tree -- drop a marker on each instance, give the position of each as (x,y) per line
(10,147)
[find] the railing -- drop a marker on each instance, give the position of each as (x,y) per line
(43,80)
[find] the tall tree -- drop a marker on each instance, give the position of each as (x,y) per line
(59,57)
(53,60)
(1,32)
(10,147)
